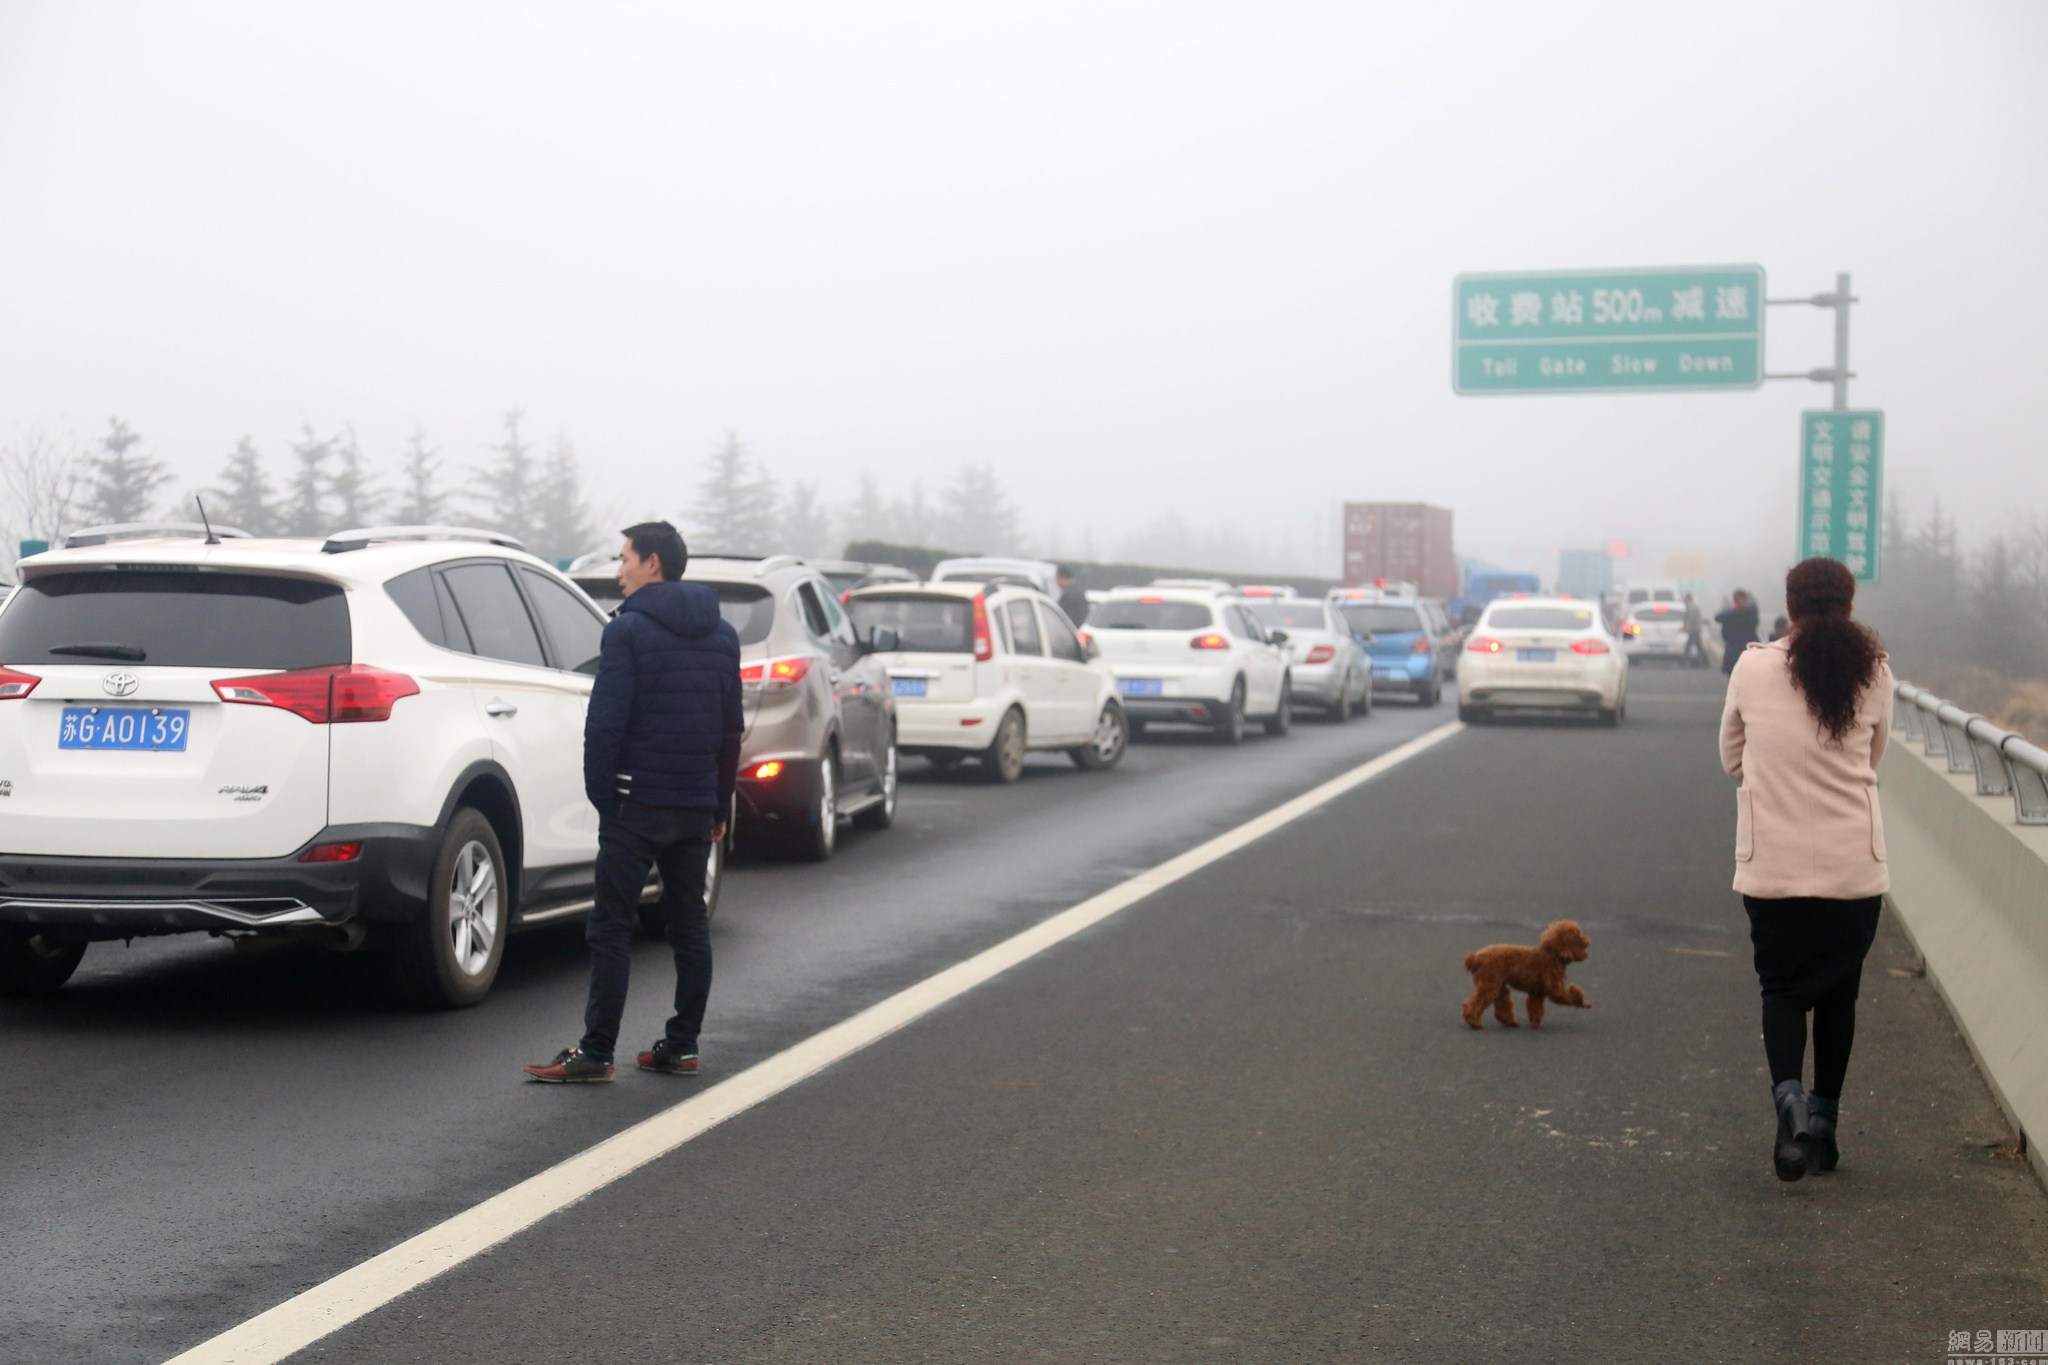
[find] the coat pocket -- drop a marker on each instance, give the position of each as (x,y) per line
(1745,827)
(1876,825)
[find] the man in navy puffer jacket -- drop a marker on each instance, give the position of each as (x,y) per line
(661,749)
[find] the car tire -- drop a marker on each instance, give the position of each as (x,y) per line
(1282,719)
(34,964)
(1230,729)
(882,814)
(814,840)
(1106,749)
(1365,702)
(449,956)
(714,881)
(1434,696)
(1003,760)
(1610,716)
(1340,711)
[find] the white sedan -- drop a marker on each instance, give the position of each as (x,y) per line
(1542,653)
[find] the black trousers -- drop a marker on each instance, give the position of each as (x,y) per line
(629,845)
(1809,956)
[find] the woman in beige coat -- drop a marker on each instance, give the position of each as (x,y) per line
(1805,723)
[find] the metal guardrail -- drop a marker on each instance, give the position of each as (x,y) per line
(2003,763)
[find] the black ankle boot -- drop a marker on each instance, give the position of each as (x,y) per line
(1795,1138)
(1820,1121)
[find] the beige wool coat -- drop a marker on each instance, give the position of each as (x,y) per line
(1807,820)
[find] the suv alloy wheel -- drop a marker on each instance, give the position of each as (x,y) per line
(814,840)
(882,814)
(449,955)
(1282,719)
(1230,729)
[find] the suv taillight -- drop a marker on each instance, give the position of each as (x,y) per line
(984,644)
(341,695)
(777,672)
(1209,641)
(14,686)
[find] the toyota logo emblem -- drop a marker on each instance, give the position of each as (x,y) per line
(120,684)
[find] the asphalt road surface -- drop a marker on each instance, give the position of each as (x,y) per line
(1239,1121)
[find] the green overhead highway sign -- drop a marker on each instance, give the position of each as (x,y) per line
(1841,488)
(1609,331)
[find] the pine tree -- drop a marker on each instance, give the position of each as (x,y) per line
(736,505)
(123,485)
(910,520)
(244,498)
(805,527)
(561,526)
(421,500)
(978,513)
(305,505)
(508,502)
(867,516)
(356,496)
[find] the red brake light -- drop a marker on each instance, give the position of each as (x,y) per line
(1151,601)
(344,694)
(1322,654)
(1084,637)
(1210,641)
(1590,647)
(1421,645)
(1480,644)
(14,686)
(778,672)
(1260,592)
(984,643)
(333,853)
(1631,629)
(764,771)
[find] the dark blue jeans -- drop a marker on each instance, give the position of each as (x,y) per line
(629,845)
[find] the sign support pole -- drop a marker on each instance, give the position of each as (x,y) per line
(1839,374)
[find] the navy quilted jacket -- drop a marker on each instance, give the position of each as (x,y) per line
(665,716)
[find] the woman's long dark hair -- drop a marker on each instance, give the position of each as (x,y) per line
(1833,658)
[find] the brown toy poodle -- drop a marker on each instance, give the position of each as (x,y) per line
(1538,972)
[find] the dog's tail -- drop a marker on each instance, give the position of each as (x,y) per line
(1471,962)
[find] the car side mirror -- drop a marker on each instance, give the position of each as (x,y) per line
(1090,648)
(1278,637)
(884,640)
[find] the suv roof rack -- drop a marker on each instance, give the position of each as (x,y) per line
(148,530)
(763,564)
(341,542)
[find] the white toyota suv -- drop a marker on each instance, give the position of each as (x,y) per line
(376,739)
(1194,654)
(990,671)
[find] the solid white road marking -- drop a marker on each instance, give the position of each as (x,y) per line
(327,1307)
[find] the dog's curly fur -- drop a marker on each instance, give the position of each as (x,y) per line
(1537,972)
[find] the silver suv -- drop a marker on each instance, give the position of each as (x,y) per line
(820,743)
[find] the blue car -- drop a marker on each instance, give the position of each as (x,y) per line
(1413,646)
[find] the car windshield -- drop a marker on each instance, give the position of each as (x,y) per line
(1540,618)
(178,618)
(1136,613)
(1381,620)
(844,580)
(925,623)
(1291,615)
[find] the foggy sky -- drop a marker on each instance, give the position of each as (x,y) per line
(1188,257)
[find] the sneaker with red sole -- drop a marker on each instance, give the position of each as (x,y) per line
(569,1068)
(668,1059)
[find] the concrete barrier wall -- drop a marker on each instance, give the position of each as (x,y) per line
(1971,887)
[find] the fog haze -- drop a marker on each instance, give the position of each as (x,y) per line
(1187,260)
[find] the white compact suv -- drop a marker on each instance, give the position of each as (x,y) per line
(376,739)
(1193,654)
(991,671)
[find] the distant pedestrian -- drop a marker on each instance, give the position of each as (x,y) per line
(1738,628)
(661,751)
(1073,601)
(1695,628)
(1780,628)
(1805,723)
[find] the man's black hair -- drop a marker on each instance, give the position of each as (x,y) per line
(660,538)
(1063,571)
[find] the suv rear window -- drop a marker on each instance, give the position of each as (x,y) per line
(1382,620)
(1540,618)
(925,624)
(176,618)
(749,610)
(1135,614)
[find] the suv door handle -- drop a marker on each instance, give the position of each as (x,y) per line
(495,707)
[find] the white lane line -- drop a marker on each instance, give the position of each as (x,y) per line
(327,1307)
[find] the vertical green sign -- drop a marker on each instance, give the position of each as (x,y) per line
(1841,488)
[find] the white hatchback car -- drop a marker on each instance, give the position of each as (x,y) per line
(373,740)
(1654,630)
(1542,653)
(991,671)
(1194,655)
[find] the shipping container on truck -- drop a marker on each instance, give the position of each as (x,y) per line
(1400,541)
